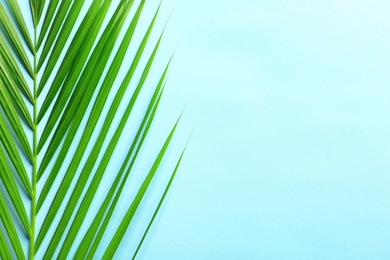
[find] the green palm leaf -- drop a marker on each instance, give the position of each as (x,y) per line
(74,75)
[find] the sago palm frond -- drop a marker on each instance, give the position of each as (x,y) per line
(59,98)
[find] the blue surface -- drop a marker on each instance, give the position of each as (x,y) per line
(289,159)
(290,153)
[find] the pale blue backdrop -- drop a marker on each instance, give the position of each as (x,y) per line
(290,106)
(290,102)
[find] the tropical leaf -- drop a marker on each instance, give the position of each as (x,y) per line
(56,81)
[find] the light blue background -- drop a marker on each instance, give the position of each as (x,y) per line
(289,101)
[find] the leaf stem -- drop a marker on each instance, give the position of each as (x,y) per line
(34,162)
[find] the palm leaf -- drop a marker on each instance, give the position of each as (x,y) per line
(60,97)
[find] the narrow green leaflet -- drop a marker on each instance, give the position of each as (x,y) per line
(159,205)
(113,246)
(54,30)
(48,20)
(10,186)
(13,68)
(14,93)
(4,250)
(21,24)
(33,11)
(40,6)
(13,153)
(10,227)
(14,120)
(15,40)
